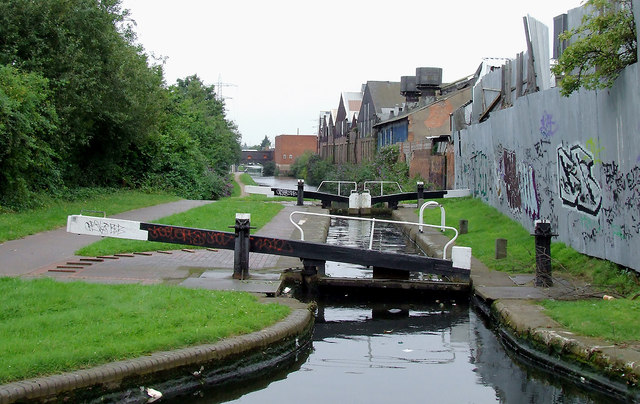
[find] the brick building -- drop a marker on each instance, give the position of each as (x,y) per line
(290,147)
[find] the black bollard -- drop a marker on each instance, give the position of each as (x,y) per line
(241,247)
(420,193)
(300,192)
(543,236)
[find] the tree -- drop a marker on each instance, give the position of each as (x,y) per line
(601,47)
(28,137)
(265,144)
(205,117)
(102,88)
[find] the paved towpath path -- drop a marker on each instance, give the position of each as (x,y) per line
(23,256)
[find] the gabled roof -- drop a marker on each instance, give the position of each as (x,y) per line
(352,102)
(385,94)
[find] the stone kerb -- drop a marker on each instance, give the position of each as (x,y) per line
(115,376)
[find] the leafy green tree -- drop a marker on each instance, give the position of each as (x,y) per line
(84,103)
(28,137)
(265,144)
(601,47)
(205,120)
(103,89)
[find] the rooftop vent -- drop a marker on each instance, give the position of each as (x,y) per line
(428,77)
(408,84)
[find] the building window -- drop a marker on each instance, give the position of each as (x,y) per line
(284,156)
(290,157)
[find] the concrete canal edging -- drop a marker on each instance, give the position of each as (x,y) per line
(178,371)
(537,339)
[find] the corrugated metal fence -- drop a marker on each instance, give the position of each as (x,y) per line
(573,161)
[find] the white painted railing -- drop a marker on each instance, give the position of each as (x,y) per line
(367,183)
(353,183)
(431,204)
(373,220)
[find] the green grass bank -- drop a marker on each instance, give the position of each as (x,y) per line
(616,320)
(49,327)
(54,212)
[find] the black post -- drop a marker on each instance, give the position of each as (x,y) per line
(241,247)
(311,270)
(543,236)
(300,192)
(420,193)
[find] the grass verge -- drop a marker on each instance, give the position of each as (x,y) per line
(55,211)
(486,224)
(616,320)
(247,179)
(214,216)
(49,327)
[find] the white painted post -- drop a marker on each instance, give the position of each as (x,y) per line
(461,257)
(354,203)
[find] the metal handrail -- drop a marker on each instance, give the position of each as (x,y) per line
(431,204)
(374,220)
(364,186)
(355,185)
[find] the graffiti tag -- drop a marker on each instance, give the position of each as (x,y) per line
(576,186)
(104,228)
(547,125)
(285,192)
(195,237)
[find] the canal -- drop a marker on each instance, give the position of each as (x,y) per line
(436,350)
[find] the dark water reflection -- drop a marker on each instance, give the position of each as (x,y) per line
(404,353)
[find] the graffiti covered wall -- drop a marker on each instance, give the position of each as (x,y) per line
(573,161)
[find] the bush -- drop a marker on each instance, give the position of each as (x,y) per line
(269,169)
(28,138)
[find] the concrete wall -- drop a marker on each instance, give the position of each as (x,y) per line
(574,161)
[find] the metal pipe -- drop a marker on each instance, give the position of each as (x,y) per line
(373,225)
(428,205)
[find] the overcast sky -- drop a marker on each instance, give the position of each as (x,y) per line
(281,62)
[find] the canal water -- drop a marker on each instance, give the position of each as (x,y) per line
(431,351)
(281,182)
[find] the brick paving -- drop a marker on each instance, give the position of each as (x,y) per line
(173,266)
(31,253)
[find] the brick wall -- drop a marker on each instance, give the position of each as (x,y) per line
(290,147)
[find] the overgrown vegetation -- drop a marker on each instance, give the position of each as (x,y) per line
(600,48)
(82,105)
(385,167)
(486,224)
(218,215)
(49,327)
